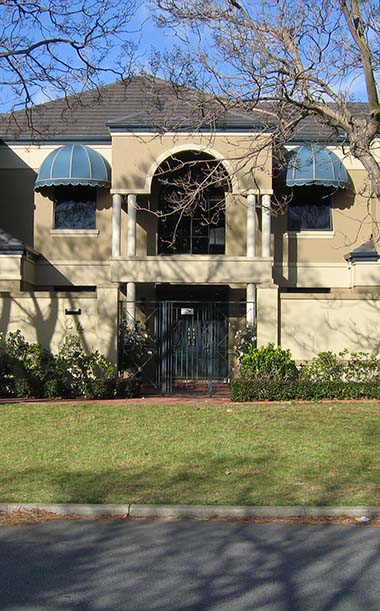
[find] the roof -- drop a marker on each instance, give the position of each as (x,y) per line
(149,104)
(365,252)
(140,102)
(9,244)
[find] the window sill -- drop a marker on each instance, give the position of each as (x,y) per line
(310,234)
(74,233)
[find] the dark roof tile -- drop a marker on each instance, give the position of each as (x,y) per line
(145,103)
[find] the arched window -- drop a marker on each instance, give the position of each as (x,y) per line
(192,208)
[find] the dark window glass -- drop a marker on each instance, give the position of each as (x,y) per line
(310,210)
(200,231)
(74,207)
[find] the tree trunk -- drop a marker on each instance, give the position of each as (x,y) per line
(373,169)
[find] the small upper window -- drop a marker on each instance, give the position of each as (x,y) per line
(74,207)
(310,209)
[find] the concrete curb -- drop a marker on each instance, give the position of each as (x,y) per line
(192,511)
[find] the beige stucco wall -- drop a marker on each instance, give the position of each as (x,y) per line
(314,323)
(41,318)
(80,245)
(352,224)
(82,258)
(135,158)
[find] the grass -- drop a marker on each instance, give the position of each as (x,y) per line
(203,454)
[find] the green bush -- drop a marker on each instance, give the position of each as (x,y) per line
(244,341)
(52,389)
(344,367)
(244,389)
(76,370)
(28,370)
(135,343)
(128,388)
(326,366)
(268,363)
(102,388)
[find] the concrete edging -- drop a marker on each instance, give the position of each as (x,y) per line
(192,511)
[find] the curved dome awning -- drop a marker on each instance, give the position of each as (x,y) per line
(314,165)
(74,164)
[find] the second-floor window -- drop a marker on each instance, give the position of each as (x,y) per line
(194,228)
(74,207)
(310,209)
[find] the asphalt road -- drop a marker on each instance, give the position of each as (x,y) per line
(189,565)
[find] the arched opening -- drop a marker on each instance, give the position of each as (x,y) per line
(191,190)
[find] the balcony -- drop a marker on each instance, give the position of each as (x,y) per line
(192,269)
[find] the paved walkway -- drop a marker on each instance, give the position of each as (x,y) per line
(185,398)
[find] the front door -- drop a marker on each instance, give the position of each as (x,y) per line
(193,343)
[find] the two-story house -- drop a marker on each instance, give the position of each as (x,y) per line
(126,205)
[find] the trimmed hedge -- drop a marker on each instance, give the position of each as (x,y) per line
(280,390)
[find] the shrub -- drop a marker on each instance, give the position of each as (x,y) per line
(268,363)
(244,341)
(270,374)
(277,390)
(128,388)
(29,370)
(52,389)
(135,344)
(25,367)
(102,388)
(361,367)
(344,367)
(326,366)
(76,370)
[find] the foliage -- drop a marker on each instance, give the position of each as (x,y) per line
(344,366)
(127,388)
(244,389)
(326,366)
(26,368)
(77,370)
(270,374)
(244,341)
(135,346)
(269,363)
(29,370)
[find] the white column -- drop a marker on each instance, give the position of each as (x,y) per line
(131,225)
(266,238)
(116,224)
(251,225)
(251,304)
(251,252)
(131,304)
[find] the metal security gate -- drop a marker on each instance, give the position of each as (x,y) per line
(179,345)
(193,344)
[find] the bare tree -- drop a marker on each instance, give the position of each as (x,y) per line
(59,47)
(292,60)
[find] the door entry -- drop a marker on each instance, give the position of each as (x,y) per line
(193,341)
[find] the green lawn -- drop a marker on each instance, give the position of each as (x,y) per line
(207,454)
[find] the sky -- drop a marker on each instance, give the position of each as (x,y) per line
(144,31)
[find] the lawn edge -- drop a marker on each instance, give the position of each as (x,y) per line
(193,511)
